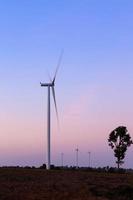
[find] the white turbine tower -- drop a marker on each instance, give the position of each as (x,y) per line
(62,160)
(77,157)
(89,154)
(51,85)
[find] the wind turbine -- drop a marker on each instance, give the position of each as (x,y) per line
(51,86)
(89,154)
(77,151)
(62,160)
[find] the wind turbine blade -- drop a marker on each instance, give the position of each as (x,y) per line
(53,92)
(58,65)
(48,74)
(49,77)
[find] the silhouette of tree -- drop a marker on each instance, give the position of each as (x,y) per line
(119,140)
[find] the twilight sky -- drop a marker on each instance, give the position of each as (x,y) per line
(93,87)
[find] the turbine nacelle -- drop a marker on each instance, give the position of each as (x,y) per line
(47,84)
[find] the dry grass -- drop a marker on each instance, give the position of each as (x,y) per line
(35,184)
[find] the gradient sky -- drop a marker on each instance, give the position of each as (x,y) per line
(93,87)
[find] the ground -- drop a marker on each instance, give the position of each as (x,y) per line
(39,184)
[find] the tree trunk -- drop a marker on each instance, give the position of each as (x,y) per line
(118,163)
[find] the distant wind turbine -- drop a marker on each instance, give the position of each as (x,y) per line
(51,85)
(89,154)
(77,151)
(62,160)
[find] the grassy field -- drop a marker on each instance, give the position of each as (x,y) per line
(35,184)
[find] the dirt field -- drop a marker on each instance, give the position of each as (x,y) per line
(35,184)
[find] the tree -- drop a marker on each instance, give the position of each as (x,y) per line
(120,140)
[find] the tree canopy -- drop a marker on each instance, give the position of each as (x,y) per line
(120,140)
